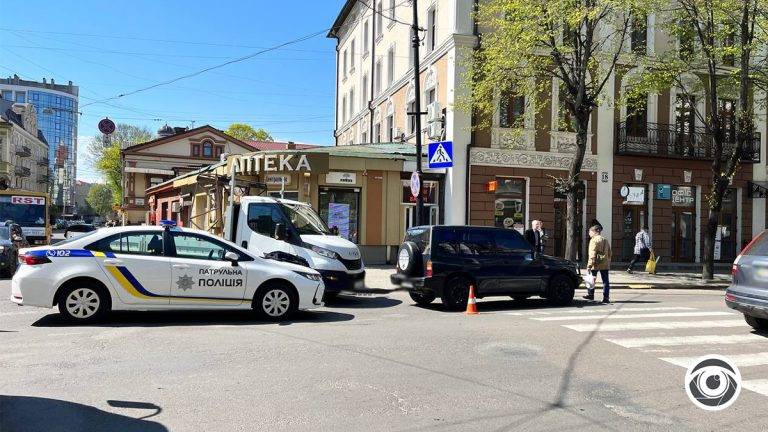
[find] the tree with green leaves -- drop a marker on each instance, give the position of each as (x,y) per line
(104,154)
(526,44)
(245,132)
(100,199)
(713,59)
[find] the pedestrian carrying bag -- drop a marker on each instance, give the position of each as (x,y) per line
(589,281)
(650,266)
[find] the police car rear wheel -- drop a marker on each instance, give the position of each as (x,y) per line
(83,304)
(275,303)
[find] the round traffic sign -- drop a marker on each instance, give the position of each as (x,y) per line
(415,184)
(106,126)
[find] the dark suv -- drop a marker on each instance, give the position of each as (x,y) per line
(443,261)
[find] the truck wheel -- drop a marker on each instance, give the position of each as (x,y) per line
(561,290)
(408,258)
(83,303)
(760,324)
(455,293)
(275,302)
(421,299)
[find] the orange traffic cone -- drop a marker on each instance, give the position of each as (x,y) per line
(471,302)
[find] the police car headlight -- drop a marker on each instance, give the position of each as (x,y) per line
(325,252)
(311,276)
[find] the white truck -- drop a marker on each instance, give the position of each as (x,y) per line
(272,225)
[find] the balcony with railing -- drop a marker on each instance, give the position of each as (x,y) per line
(668,141)
(43,161)
(42,178)
(23,151)
(22,171)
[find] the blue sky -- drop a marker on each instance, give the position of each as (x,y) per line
(110,48)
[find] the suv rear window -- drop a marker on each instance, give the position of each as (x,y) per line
(759,246)
(420,236)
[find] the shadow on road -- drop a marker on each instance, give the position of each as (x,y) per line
(190,318)
(358,301)
(35,414)
(532,304)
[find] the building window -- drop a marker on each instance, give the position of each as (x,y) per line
(567,123)
(411,117)
(377,132)
(390,128)
(365,91)
(431,29)
(364,137)
(352,55)
(344,109)
(728,58)
(8,95)
(365,39)
(352,102)
(392,7)
(207,149)
(196,150)
(344,69)
(511,110)
(687,39)
(219,151)
(377,79)
(639,36)
(379,14)
(430,96)
(390,66)
(637,116)
(21,97)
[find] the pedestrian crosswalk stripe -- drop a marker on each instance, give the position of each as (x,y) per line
(655,325)
(640,315)
(757,385)
(600,309)
(740,360)
(666,341)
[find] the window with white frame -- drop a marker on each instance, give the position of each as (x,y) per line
(377,78)
(390,66)
(377,132)
(639,36)
(391,11)
(511,110)
(431,28)
(352,54)
(365,38)
(352,102)
(364,137)
(379,15)
(365,91)
(344,109)
(411,118)
(390,128)
(344,64)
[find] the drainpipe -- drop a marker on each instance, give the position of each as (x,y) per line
(475,32)
(373,70)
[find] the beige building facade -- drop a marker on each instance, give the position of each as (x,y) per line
(23,149)
(174,152)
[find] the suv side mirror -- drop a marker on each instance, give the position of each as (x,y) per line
(232,257)
(280,232)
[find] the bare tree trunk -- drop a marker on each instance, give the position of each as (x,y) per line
(572,233)
(708,263)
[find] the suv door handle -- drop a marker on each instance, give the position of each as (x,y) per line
(112,261)
(180,266)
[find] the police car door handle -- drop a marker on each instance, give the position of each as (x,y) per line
(180,266)
(112,261)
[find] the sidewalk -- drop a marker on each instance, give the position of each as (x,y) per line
(377,280)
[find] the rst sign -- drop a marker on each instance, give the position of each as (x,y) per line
(17,199)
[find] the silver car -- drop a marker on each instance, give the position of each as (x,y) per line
(748,292)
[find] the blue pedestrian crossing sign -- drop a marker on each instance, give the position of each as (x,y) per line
(440,154)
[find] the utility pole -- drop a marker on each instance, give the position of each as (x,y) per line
(415,41)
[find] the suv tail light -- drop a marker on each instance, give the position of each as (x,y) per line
(428,269)
(33,259)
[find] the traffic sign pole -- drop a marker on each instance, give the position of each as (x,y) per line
(415,41)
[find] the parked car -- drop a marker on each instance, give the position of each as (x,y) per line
(11,240)
(748,292)
(77,229)
(443,261)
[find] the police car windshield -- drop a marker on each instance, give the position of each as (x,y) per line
(305,219)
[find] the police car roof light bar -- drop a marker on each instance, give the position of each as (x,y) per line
(167,223)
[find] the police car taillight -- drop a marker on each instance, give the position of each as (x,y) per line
(33,259)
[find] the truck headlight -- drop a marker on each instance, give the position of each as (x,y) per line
(311,276)
(325,252)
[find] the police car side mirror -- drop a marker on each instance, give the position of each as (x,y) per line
(232,257)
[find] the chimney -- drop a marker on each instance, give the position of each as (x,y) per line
(52,82)
(44,81)
(290,146)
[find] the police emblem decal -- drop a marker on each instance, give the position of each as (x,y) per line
(185,282)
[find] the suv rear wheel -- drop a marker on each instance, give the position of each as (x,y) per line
(422,299)
(455,293)
(561,290)
(756,323)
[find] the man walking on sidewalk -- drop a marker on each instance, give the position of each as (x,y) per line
(642,248)
(599,260)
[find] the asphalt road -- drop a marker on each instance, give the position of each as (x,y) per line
(379,363)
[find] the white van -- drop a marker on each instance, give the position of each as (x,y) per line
(269,224)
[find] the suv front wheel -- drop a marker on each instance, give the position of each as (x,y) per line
(422,299)
(455,293)
(561,290)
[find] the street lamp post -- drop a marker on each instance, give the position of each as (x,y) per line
(418,218)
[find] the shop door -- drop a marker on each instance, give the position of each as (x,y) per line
(633,220)
(683,231)
(340,208)
(726,225)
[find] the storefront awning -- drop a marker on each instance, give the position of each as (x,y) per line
(758,189)
(149,171)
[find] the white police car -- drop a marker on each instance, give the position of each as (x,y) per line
(154,267)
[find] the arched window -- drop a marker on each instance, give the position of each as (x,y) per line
(207,149)
(410,106)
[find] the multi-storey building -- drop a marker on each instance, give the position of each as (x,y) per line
(502,174)
(56,106)
(23,149)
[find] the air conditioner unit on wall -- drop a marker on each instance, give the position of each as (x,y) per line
(175,207)
(433,112)
(396,133)
(435,130)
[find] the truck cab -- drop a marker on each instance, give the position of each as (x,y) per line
(269,224)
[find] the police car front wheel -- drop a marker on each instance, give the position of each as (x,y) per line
(275,302)
(83,303)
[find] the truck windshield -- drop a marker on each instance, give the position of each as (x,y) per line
(26,215)
(305,219)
